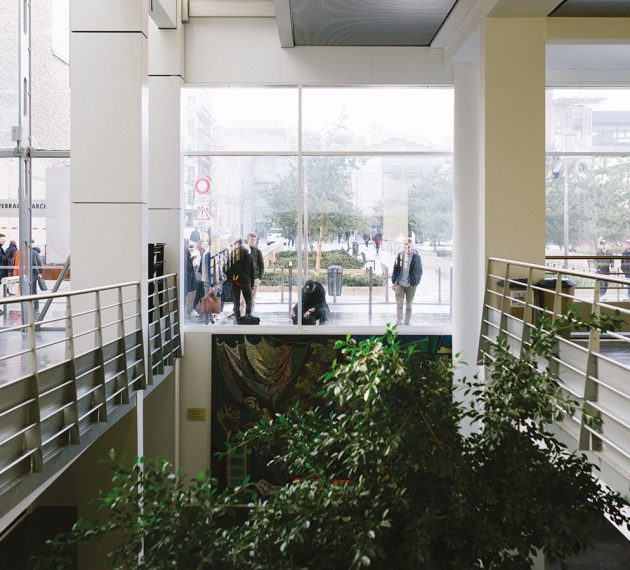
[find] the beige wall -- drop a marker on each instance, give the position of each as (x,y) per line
(514,108)
(195,393)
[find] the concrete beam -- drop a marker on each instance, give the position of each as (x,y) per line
(283,20)
(164,13)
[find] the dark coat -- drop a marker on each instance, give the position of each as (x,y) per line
(316,299)
(241,272)
(36,263)
(415,268)
(191,284)
(4,262)
(259,263)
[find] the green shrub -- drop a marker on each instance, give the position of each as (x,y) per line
(272,278)
(384,475)
(333,257)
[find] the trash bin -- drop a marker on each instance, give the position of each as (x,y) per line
(334,280)
(355,248)
(546,298)
(517,293)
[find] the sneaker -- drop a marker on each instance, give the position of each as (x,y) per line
(406,322)
(603,298)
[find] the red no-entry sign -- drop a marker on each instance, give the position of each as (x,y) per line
(202,185)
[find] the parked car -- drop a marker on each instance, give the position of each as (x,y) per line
(274,235)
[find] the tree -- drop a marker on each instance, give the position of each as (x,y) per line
(384,477)
(328,192)
(598,201)
(431,203)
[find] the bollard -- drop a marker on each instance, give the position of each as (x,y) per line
(290,285)
(450,301)
(282,285)
(370,294)
(439,285)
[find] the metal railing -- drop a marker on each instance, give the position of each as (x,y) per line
(77,368)
(594,367)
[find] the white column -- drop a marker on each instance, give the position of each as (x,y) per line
(109,141)
(468,234)
(166,68)
(166,65)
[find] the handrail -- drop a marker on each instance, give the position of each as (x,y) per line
(74,293)
(58,384)
(591,369)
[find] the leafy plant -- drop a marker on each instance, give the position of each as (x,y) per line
(384,476)
(331,257)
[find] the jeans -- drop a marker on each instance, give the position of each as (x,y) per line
(247,294)
(254,291)
(603,287)
(404,294)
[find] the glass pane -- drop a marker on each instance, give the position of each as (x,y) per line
(9,213)
(239,119)
(359,211)
(596,191)
(51,209)
(9,71)
(50,70)
(225,199)
(404,119)
(588,120)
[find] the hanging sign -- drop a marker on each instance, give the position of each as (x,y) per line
(202,215)
(202,185)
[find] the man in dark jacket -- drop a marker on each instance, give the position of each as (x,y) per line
(241,275)
(313,304)
(405,278)
(36,273)
(11,251)
(259,267)
(4,261)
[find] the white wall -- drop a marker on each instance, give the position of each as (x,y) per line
(246,51)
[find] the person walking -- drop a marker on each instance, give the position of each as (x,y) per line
(259,268)
(36,274)
(406,276)
(378,240)
(603,266)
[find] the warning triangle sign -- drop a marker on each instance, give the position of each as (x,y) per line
(202,214)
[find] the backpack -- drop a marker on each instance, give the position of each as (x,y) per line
(625,263)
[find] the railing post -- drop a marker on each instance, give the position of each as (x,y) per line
(100,395)
(439,285)
(145,356)
(33,438)
(122,350)
(73,412)
(587,440)
(385,271)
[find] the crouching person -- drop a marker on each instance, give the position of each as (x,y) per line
(314,306)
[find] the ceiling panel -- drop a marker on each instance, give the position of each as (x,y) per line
(593,9)
(367,22)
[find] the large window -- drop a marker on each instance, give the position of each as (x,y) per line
(35,130)
(588,170)
(331,193)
